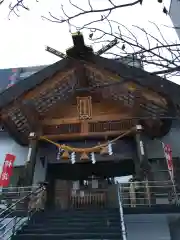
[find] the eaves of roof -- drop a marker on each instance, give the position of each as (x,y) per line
(144,78)
(158,84)
(12,93)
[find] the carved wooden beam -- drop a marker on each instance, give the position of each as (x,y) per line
(82,80)
(134,100)
(75,136)
(102,74)
(48,84)
(32,116)
(92,128)
(95,118)
(19,137)
(137,110)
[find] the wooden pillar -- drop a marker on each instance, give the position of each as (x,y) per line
(143,166)
(31,159)
(142,163)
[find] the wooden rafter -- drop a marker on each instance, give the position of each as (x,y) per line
(21,137)
(134,98)
(49,84)
(104,77)
(94,129)
(82,80)
(62,91)
(74,120)
(33,118)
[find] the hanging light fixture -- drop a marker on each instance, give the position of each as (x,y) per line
(110,148)
(65,155)
(73,158)
(84,156)
(93,158)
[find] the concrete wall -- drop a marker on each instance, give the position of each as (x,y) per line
(174,14)
(174,223)
(147,227)
(152,226)
(154,147)
(8,145)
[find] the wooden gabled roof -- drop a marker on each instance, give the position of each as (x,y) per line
(81,72)
(144,78)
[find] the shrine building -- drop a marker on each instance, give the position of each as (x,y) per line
(88,117)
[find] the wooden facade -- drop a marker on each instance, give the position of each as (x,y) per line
(87,97)
(83,101)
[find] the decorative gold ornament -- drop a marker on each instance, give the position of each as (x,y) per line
(104,151)
(65,155)
(84,156)
(95,148)
(84,106)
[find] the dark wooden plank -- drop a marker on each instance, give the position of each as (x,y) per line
(8,95)
(19,137)
(32,116)
(146,79)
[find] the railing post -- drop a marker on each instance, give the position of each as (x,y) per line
(143,166)
(123,228)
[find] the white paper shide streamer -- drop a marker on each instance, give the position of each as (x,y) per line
(73,158)
(93,158)
(110,148)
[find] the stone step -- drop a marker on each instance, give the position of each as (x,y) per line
(52,230)
(74,223)
(77,236)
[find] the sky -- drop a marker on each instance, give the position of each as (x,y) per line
(23,39)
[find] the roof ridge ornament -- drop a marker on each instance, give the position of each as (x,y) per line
(80,50)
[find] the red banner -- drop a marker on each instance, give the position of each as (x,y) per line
(7,170)
(168,155)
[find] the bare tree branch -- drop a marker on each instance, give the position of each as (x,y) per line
(14,7)
(92,10)
(157,54)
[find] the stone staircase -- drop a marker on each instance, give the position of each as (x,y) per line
(73,224)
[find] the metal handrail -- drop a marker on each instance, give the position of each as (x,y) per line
(148,193)
(123,228)
(30,213)
(25,187)
(18,201)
